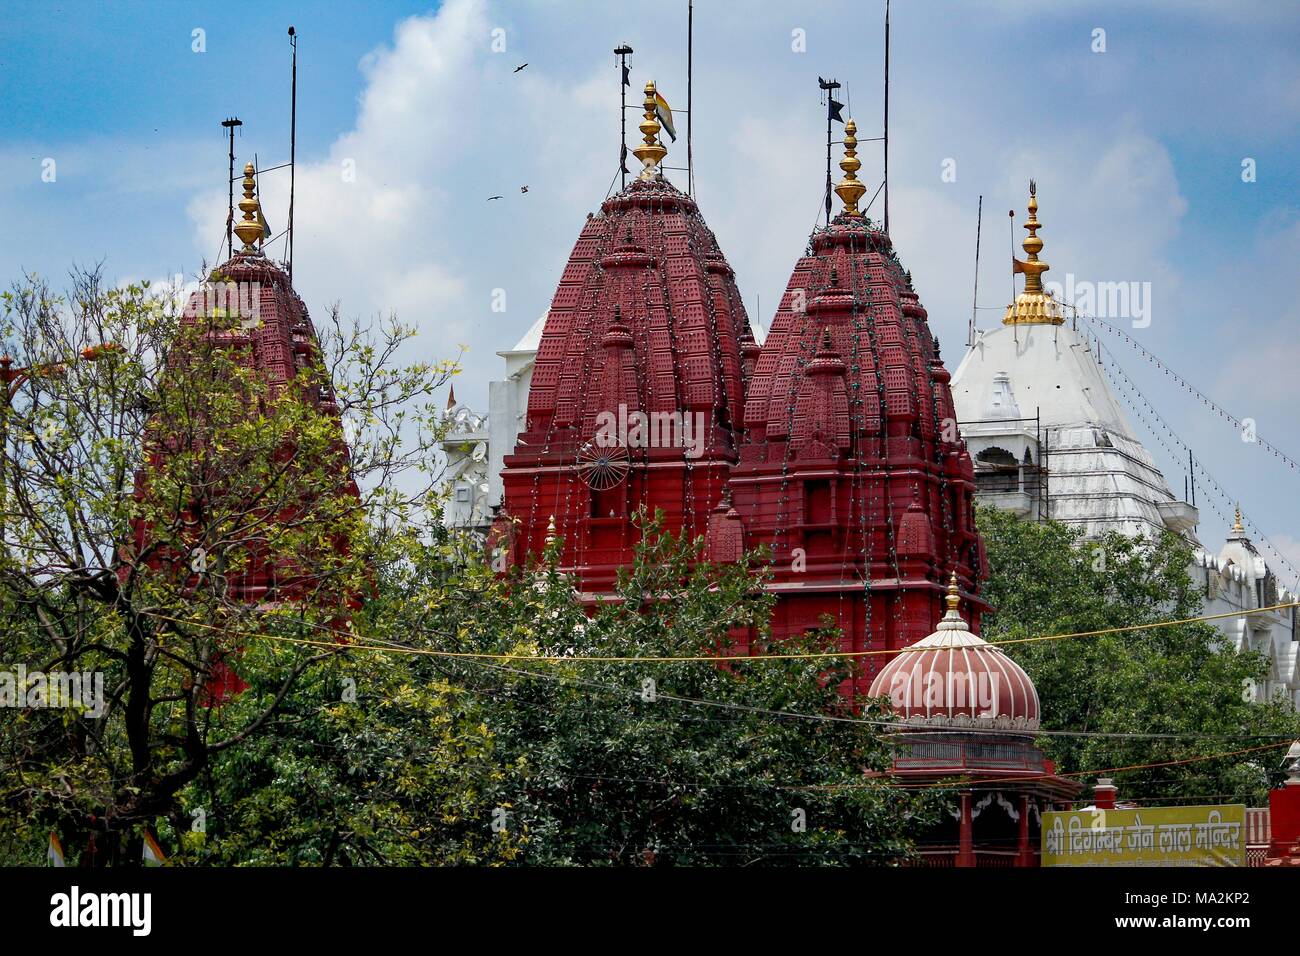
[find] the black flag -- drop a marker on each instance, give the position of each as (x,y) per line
(626,70)
(622,160)
(836,106)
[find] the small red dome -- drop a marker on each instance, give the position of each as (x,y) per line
(957,679)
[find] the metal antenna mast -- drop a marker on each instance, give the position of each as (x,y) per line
(979,223)
(622,53)
(832,113)
(690,108)
(886,116)
(293,142)
(231,124)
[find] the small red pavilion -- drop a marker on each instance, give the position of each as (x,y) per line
(968,715)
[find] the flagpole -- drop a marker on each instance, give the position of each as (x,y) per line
(829,87)
(886,117)
(231,124)
(293,141)
(828,163)
(690,111)
(974,305)
(258,186)
(621,52)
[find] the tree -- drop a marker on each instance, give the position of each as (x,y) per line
(406,751)
(140,494)
(1179,680)
(368,761)
(504,758)
(633,762)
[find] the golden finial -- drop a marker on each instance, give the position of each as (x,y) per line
(1033,269)
(1237,529)
(651,152)
(849,189)
(550,531)
(249,229)
(1034,306)
(953,600)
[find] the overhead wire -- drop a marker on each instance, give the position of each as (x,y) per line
(485,660)
(351,644)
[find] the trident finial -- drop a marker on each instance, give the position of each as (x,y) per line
(249,229)
(651,152)
(849,189)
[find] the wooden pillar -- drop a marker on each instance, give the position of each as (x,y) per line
(965,842)
(1025,856)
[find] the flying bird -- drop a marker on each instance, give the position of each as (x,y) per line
(523,189)
(520,67)
(490,198)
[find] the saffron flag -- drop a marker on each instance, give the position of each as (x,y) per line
(664,113)
(55,852)
(261,221)
(153,854)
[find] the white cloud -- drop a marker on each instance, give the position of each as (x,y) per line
(373,221)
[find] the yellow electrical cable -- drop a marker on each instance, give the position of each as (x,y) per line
(346,644)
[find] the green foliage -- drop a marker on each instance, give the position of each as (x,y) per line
(1178,680)
(435,759)
(366,763)
(676,762)
(139,488)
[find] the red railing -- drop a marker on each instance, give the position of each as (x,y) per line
(941,857)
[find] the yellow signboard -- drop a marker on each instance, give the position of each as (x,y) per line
(1150,836)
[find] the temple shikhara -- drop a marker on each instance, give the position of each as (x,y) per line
(639,383)
(833,443)
(852,470)
(249,315)
(1044,418)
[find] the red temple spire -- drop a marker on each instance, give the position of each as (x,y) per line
(637,393)
(852,470)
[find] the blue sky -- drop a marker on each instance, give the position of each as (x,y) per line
(1137,152)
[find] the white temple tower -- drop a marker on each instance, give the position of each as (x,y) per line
(1049,439)
(1047,435)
